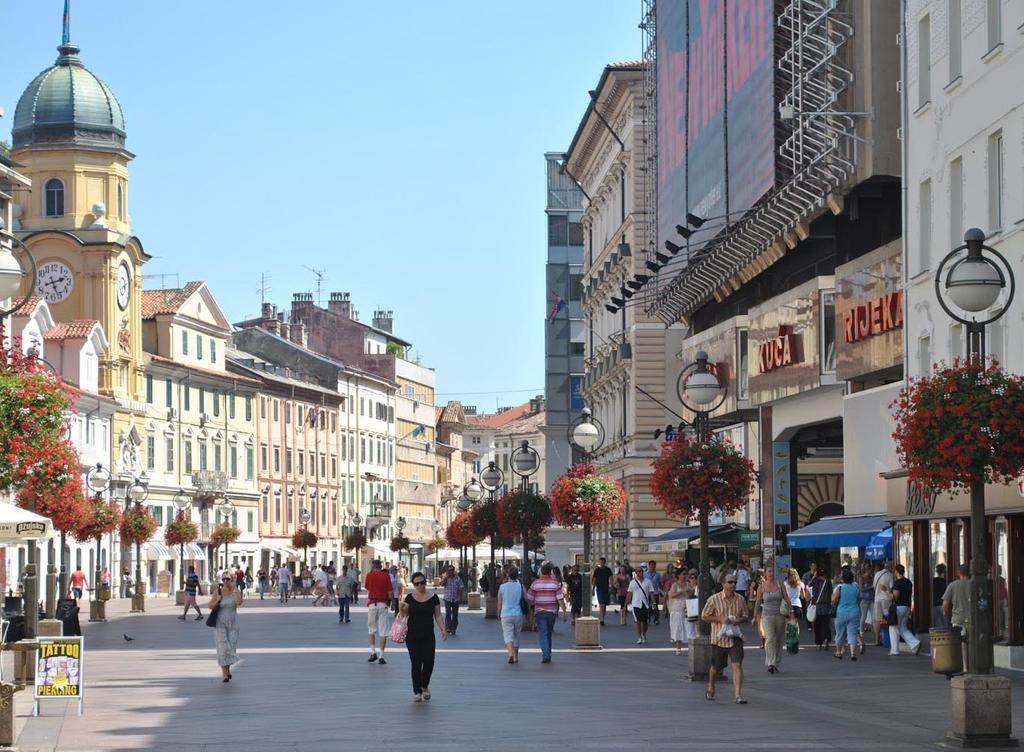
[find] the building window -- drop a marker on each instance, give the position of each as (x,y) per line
(956,201)
(248,463)
(576,234)
(994,16)
(263,458)
(742,365)
(150,451)
(577,348)
(120,201)
(828,332)
(995,181)
(248,523)
(169,393)
(187,394)
(287,413)
(149,389)
(213,350)
(216,456)
(334,467)
(955,39)
(202,399)
(924,355)
(558,229)
(301,457)
(266,508)
(288,460)
(54,195)
(231,407)
(362,406)
(323,465)
(575,286)
(263,407)
(924,62)
(184,343)
(188,455)
(334,422)
(924,224)
(298,414)
(277,459)
(312,463)
(215,398)
(248,409)
(277,507)
(169,455)
(199,347)
(274,407)
(202,455)
(233,459)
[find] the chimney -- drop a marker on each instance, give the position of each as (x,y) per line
(284,329)
(268,311)
(341,304)
(302,305)
(384,319)
(537,404)
(298,334)
(469,409)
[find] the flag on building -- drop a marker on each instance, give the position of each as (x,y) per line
(557,304)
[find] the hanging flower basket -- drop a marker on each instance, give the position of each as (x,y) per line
(304,539)
(520,514)
(354,541)
(399,543)
(959,423)
(181,531)
(436,545)
(581,495)
(99,518)
(224,534)
(137,525)
(460,532)
(689,477)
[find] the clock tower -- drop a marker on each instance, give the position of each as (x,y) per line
(69,137)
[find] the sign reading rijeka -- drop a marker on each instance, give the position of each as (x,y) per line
(781,351)
(876,316)
(59,664)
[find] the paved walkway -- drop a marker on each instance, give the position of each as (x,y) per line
(304,684)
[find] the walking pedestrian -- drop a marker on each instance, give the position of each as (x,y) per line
(423,610)
(640,590)
(845,599)
(226,600)
(677,595)
(378,600)
(770,610)
(725,611)
(344,585)
(666,581)
(797,593)
(866,601)
(284,581)
(545,595)
(510,610)
(602,579)
(956,605)
(882,582)
(742,580)
(354,571)
(261,582)
(622,580)
(820,616)
(654,580)
(191,589)
(453,588)
(320,585)
(903,592)
(78,584)
(939,584)
(574,584)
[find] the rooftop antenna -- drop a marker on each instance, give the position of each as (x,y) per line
(321,275)
(163,279)
(66,37)
(263,289)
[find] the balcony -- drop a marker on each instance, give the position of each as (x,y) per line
(380,512)
(210,483)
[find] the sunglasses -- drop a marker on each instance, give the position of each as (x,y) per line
(419,582)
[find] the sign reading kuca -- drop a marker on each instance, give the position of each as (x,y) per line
(778,352)
(881,314)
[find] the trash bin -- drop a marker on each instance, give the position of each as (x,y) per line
(947,657)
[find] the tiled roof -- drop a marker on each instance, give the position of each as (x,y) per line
(627,64)
(526,424)
(163,302)
(159,359)
(499,420)
(452,413)
(79,329)
(30,305)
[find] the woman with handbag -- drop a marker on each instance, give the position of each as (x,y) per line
(682,589)
(511,599)
(223,618)
(797,593)
(419,612)
(819,612)
(771,609)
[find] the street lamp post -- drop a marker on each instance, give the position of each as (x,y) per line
(181,503)
(436,527)
(491,479)
(304,518)
(97,480)
(700,390)
(136,492)
(977,276)
(400,526)
(225,508)
(586,434)
(525,463)
(474,492)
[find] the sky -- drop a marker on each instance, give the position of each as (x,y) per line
(398,147)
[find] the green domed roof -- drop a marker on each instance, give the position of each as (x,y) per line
(66,103)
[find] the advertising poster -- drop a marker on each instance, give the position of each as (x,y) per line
(59,664)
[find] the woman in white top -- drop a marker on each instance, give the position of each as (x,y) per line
(640,590)
(510,611)
(798,594)
(683,588)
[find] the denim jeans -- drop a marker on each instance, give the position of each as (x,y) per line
(343,610)
(451,616)
(846,627)
(545,628)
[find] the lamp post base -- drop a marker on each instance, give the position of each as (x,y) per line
(491,607)
(473,601)
(138,603)
(588,633)
(981,711)
(97,610)
(699,656)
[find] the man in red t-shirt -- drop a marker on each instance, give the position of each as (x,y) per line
(378,596)
(78,583)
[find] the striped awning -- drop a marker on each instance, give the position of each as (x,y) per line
(156,550)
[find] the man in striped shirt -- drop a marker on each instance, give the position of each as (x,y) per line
(545,595)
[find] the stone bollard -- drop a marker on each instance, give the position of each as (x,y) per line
(138,603)
(25,664)
(179,597)
(7,714)
(700,658)
(981,711)
(491,607)
(97,610)
(588,633)
(473,599)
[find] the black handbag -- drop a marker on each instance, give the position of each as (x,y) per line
(211,619)
(524,605)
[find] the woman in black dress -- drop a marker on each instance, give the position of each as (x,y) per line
(423,610)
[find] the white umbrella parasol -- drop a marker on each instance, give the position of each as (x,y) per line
(19,525)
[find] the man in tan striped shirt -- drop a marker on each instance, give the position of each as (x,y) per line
(726,610)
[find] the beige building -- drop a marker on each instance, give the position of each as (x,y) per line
(455,461)
(626,351)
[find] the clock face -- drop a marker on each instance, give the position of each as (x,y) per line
(124,285)
(54,281)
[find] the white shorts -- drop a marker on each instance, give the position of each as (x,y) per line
(378,619)
(511,626)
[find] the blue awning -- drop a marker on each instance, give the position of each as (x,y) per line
(880,546)
(834,532)
(687,533)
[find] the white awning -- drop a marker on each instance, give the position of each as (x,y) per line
(18,525)
(156,550)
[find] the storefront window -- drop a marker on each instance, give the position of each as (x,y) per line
(742,365)
(1002,604)
(828,332)
(961,543)
(904,547)
(937,547)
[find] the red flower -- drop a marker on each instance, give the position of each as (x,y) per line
(137,525)
(225,533)
(581,495)
(181,531)
(461,532)
(522,514)
(689,477)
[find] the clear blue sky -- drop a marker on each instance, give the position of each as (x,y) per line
(397,145)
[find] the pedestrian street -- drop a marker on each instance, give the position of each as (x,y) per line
(304,684)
